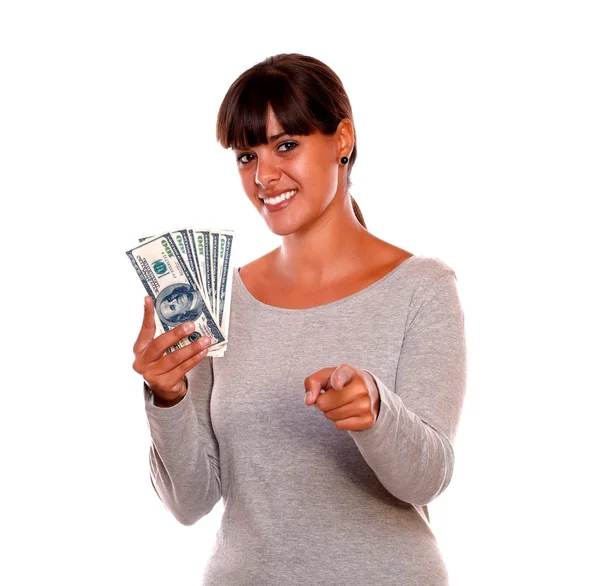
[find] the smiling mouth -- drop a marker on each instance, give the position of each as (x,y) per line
(280,198)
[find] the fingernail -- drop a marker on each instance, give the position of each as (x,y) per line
(307,398)
(205,341)
(188,327)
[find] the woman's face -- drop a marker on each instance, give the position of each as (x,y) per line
(308,164)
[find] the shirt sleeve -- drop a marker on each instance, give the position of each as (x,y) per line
(184,453)
(410,447)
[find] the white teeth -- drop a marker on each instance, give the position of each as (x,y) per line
(281,197)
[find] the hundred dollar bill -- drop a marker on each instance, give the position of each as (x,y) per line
(176,295)
(181,237)
(201,277)
(202,243)
(223,284)
(214,260)
(185,244)
(225,269)
(157,324)
(213,271)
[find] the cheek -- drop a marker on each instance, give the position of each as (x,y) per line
(319,178)
(309,172)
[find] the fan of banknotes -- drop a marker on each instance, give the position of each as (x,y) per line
(188,274)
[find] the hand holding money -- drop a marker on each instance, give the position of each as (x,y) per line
(188,274)
(165,373)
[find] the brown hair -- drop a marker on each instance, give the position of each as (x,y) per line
(305,94)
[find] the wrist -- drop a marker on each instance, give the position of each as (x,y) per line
(165,404)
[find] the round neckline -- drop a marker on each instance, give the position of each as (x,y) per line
(335,303)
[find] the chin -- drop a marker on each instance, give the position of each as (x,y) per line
(283,230)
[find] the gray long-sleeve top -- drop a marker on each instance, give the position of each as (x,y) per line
(304,502)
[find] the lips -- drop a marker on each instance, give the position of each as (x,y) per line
(280,203)
(274,193)
(281,197)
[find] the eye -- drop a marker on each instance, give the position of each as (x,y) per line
(290,142)
(242,156)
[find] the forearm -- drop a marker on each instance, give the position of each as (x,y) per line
(413,461)
(184,476)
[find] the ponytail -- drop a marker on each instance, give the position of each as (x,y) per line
(358,213)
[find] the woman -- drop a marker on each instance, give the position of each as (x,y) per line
(372,335)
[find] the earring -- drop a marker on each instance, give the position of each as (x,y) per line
(344,160)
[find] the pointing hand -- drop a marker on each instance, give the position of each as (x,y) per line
(353,401)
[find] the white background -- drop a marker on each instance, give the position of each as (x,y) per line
(477,129)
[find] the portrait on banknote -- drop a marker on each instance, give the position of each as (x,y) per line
(178,303)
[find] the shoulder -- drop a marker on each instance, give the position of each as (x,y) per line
(415,270)
(430,277)
(426,271)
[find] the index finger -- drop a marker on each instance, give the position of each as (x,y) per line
(327,378)
(157,347)
(315,382)
(148,328)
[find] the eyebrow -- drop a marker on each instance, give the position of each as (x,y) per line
(271,139)
(276,136)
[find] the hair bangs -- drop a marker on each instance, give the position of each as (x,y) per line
(242,119)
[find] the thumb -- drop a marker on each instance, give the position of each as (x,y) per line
(148,328)
(342,375)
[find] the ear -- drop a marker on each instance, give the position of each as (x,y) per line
(345,138)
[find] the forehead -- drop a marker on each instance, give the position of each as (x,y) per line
(273,125)
(273,128)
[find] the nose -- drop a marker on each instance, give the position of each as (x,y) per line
(266,171)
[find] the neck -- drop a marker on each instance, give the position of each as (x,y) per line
(327,250)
